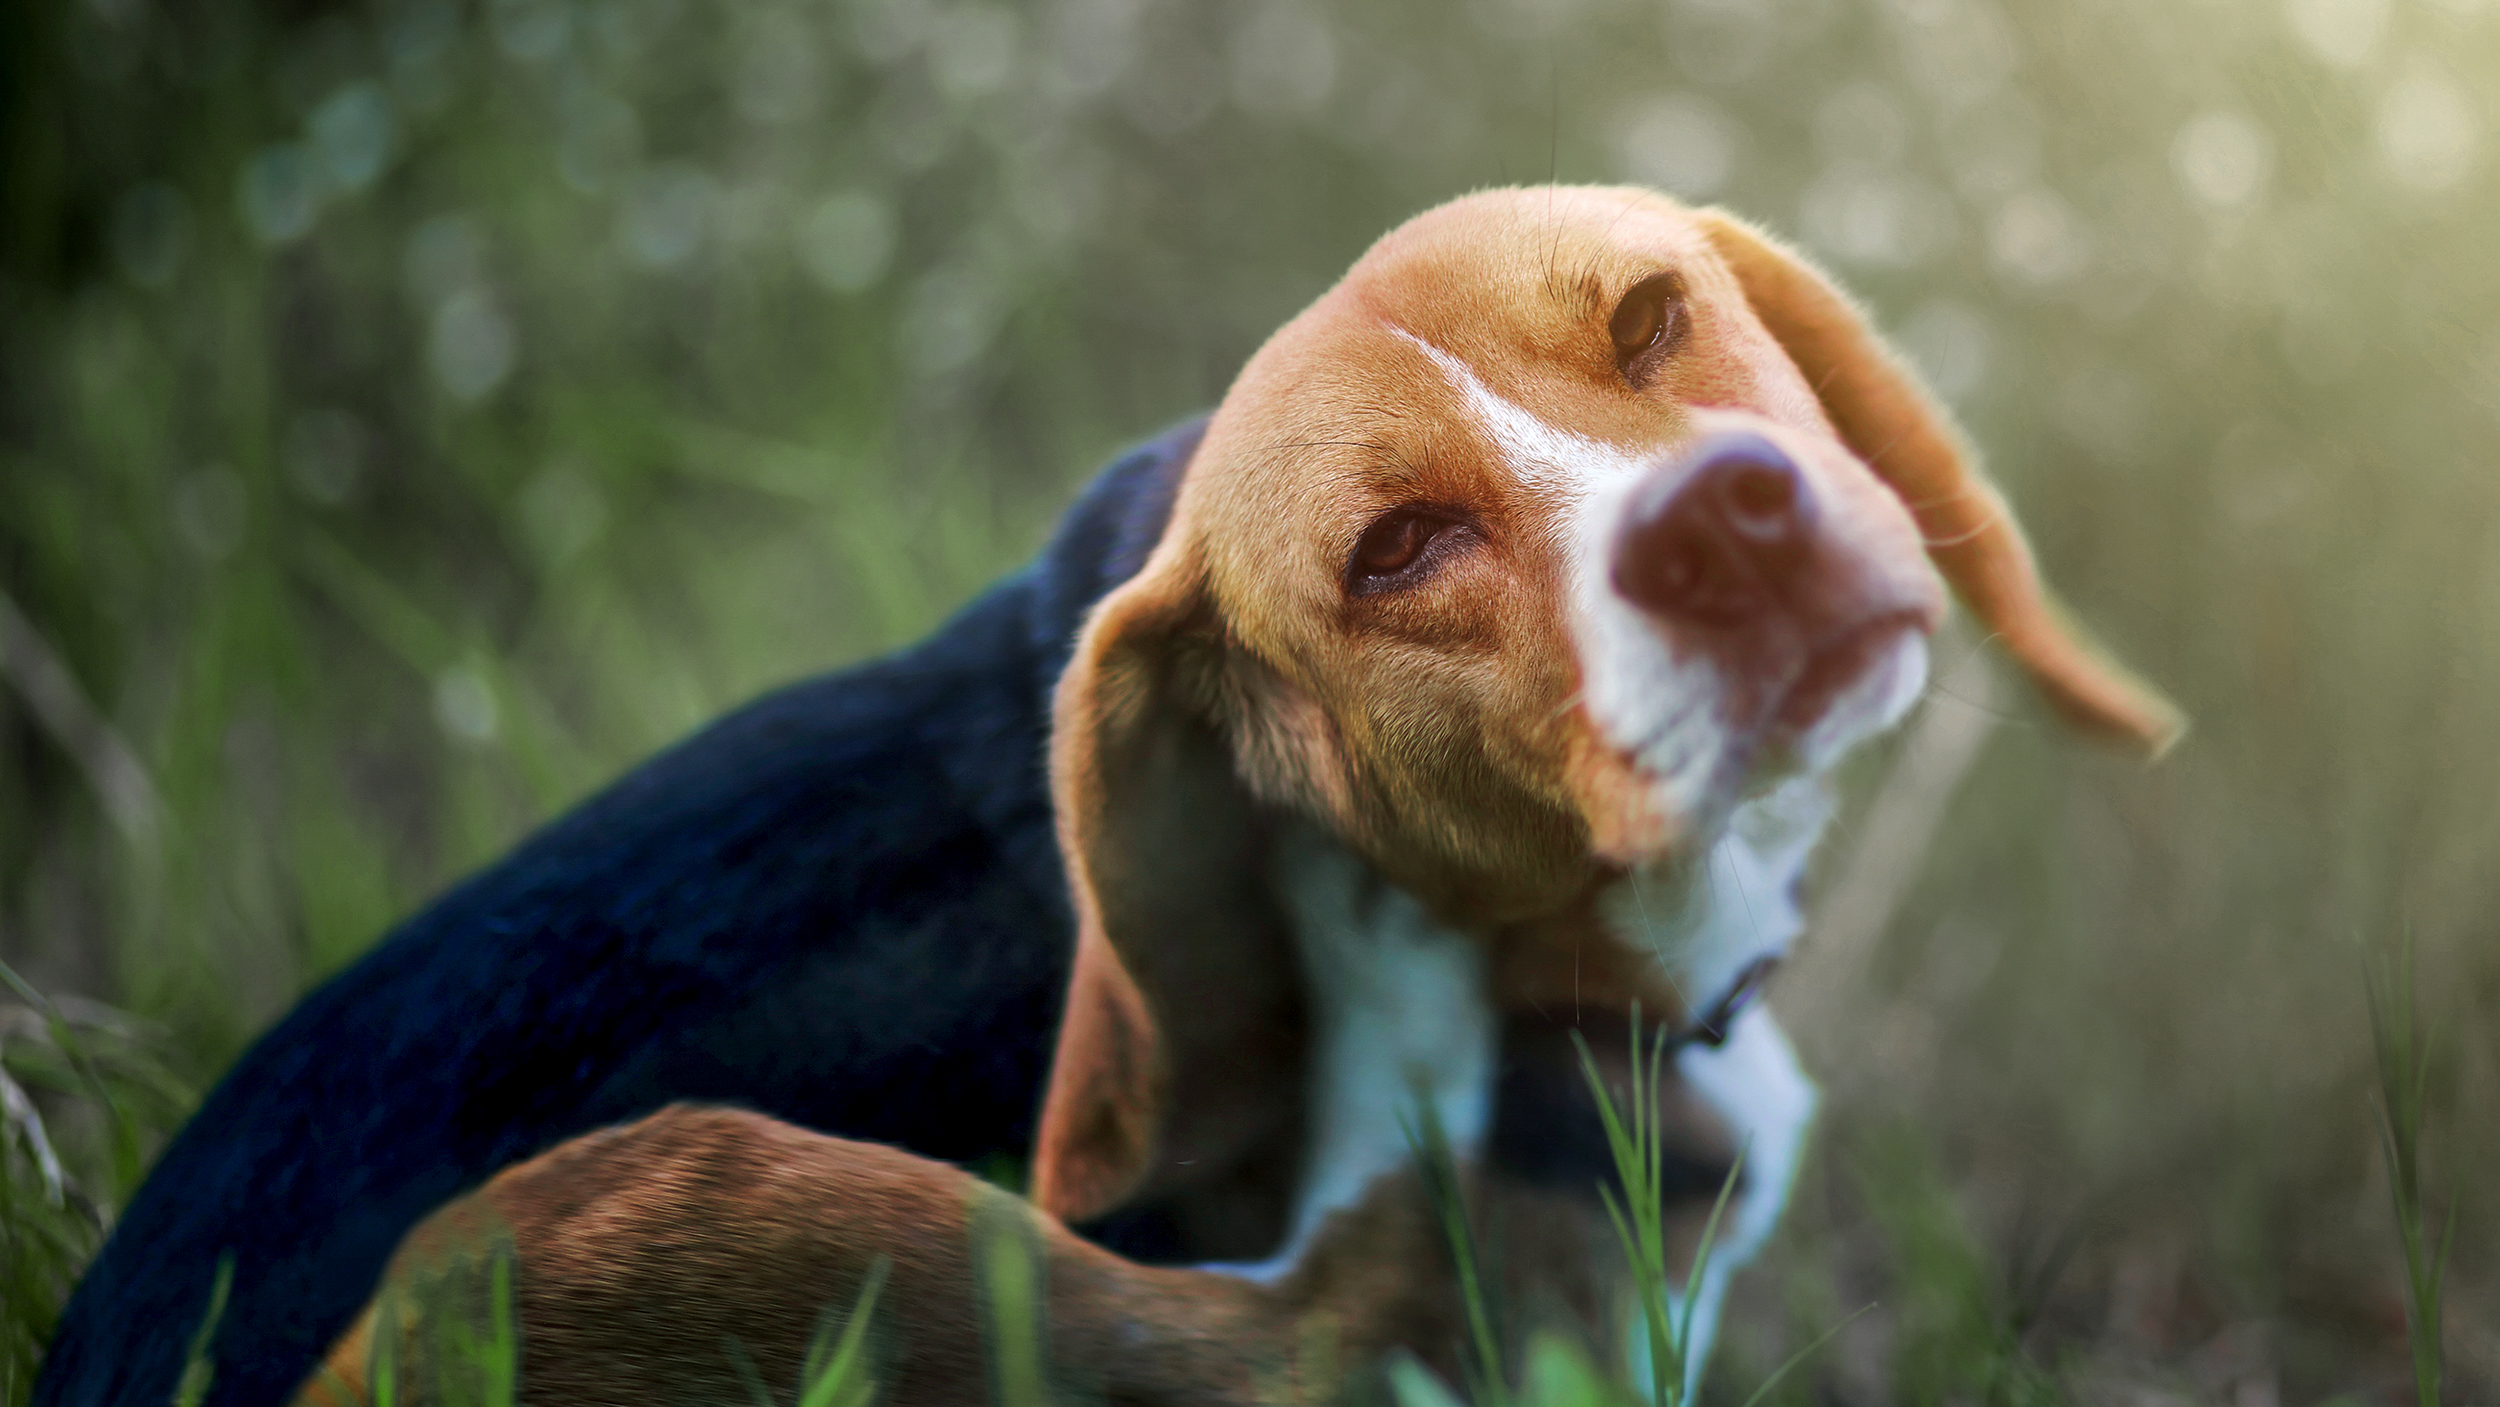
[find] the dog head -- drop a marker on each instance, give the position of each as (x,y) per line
(1568,521)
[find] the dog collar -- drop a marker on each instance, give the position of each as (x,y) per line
(1712,1026)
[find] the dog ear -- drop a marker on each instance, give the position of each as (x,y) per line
(1179,1049)
(1883,412)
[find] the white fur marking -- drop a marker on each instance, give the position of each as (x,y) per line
(1540,453)
(1397,1009)
(1756,1084)
(1874,703)
(1706,923)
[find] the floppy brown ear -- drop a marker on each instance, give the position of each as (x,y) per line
(1883,412)
(1179,1050)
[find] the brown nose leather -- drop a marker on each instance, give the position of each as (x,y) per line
(1726,542)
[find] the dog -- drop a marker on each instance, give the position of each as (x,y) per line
(1510,614)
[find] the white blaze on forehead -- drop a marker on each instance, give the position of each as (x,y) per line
(1661,709)
(1542,454)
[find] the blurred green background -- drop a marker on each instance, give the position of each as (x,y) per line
(415,411)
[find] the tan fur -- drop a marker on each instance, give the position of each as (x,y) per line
(642,1253)
(1438,731)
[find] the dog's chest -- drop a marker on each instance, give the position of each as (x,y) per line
(1399,1014)
(1400,1009)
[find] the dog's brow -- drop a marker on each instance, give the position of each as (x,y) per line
(1542,454)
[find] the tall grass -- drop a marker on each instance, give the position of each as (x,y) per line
(2404,1070)
(1960,1325)
(1437,1170)
(1557,1371)
(84,1090)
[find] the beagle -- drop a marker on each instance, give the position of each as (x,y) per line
(1510,613)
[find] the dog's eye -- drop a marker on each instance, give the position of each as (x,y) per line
(1647,324)
(1395,550)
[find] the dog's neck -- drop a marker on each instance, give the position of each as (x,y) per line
(1400,1007)
(1705,922)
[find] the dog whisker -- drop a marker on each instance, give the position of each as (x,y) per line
(1953,495)
(1971,534)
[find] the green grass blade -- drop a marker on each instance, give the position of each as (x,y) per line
(1011,1285)
(1413,1385)
(743,1364)
(1702,1249)
(1437,1167)
(1800,1356)
(836,1373)
(198,1368)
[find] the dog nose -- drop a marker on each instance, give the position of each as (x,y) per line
(1724,543)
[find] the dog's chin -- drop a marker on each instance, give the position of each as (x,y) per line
(1857,687)
(1854,688)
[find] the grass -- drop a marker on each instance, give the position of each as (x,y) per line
(804,320)
(84,1092)
(1557,1371)
(2404,1072)
(1639,1216)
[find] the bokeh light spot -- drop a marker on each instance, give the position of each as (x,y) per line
(1862,122)
(472,344)
(666,216)
(465,707)
(887,31)
(418,40)
(324,452)
(2341,33)
(280,193)
(949,320)
(1992,148)
(846,240)
(598,139)
(1954,344)
(1681,143)
(211,512)
(2223,159)
(354,130)
(1284,60)
(2037,239)
(1866,215)
(1957,52)
(781,76)
(972,50)
(1091,44)
(443,255)
(151,233)
(2428,130)
(533,31)
(563,512)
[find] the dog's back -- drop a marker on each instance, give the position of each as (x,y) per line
(840,905)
